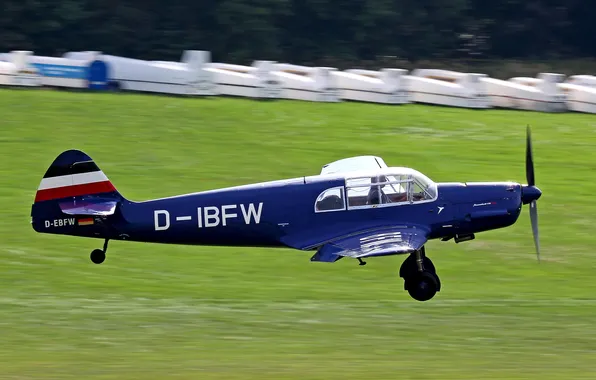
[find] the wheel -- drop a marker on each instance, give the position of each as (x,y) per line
(98,256)
(409,267)
(422,286)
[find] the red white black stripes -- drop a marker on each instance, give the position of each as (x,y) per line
(64,182)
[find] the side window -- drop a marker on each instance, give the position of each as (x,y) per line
(377,194)
(397,190)
(331,200)
(358,190)
(358,195)
(377,190)
(418,193)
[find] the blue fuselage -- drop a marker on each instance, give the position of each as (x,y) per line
(282,213)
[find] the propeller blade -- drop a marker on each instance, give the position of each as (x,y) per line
(534,220)
(529,159)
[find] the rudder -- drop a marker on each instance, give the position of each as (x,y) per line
(73,173)
(72,193)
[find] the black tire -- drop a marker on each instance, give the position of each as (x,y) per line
(422,286)
(97,256)
(410,268)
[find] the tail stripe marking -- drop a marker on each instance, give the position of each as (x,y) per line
(71,180)
(74,191)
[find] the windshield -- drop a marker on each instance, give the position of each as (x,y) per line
(426,185)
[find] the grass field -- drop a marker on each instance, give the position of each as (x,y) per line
(157,312)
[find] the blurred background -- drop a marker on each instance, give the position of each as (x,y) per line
(501,38)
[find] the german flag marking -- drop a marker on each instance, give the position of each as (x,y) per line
(85,222)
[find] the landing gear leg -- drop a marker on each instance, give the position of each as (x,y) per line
(420,278)
(360,261)
(98,256)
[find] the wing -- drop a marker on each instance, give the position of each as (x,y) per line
(378,242)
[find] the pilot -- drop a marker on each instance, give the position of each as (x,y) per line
(376,195)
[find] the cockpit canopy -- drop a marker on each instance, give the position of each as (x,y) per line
(382,187)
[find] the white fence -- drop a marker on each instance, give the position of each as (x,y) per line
(196,75)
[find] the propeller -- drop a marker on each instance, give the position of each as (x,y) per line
(534,220)
(529,159)
(530,193)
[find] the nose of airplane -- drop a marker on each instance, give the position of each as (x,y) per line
(530,193)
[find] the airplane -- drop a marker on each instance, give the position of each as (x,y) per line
(357,207)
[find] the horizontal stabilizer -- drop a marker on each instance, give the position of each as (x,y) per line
(95,207)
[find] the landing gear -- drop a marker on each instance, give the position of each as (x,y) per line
(98,256)
(422,286)
(420,278)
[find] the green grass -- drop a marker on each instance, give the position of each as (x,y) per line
(155,311)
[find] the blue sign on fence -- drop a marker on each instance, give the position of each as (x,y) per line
(61,71)
(96,73)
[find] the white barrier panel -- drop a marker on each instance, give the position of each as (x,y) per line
(195,62)
(581,93)
(531,94)
(256,81)
(15,70)
(7,71)
(187,77)
(387,86)
(547,97)
(72,73)
(582,80)
(315,84)
(449,88)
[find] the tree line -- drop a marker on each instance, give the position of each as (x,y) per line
(304,31)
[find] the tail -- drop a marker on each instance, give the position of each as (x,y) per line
(75,198)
